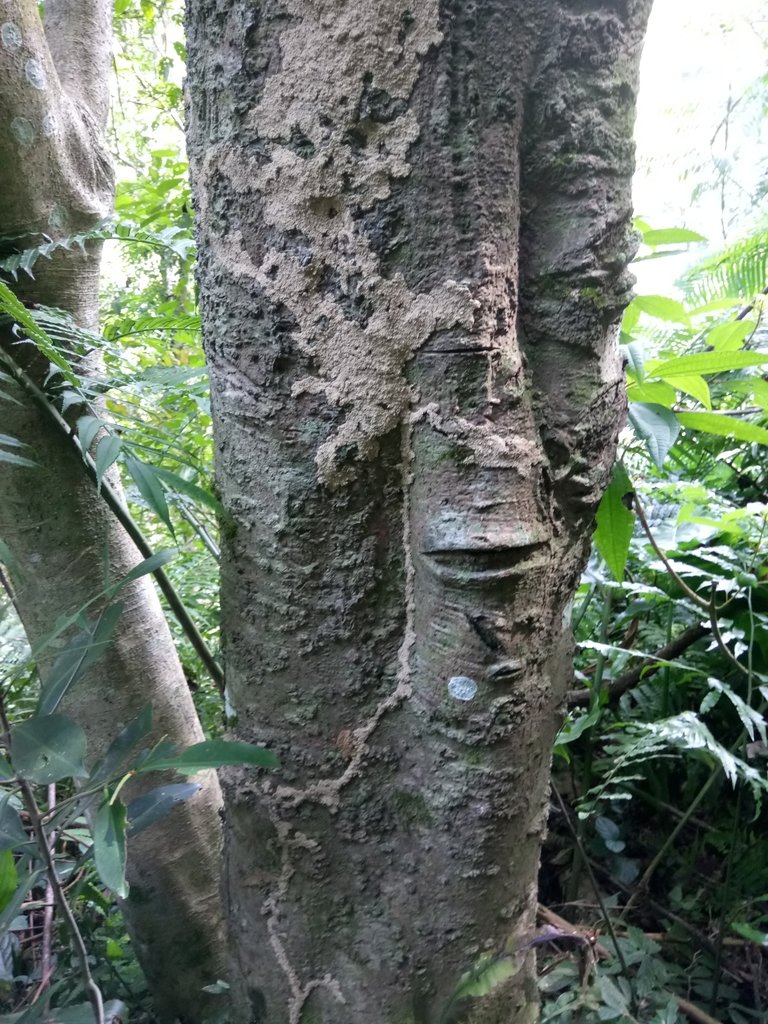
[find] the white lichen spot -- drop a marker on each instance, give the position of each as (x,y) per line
(58,218)
(50,124)
(34,72)
(462,687)
(23,131)
(10,35)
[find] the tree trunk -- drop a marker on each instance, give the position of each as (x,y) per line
(414,224)
(57,181)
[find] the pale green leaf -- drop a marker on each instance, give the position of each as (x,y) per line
(657,426)
(707,362)
(635,358)
(662,307)
(696,387)
(730,336)
(671,236)
(9,878)
(656,392)
(107,452)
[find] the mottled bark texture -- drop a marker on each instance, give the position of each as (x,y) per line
(414,224)
(56,180)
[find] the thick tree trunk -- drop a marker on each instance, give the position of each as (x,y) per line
(414,228)
(57,181)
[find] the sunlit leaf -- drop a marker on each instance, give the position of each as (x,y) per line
(724,426)
(662,307)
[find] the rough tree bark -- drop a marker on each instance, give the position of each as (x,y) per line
(414,225)
(57,180)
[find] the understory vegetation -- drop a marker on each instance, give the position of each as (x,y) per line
(654,881)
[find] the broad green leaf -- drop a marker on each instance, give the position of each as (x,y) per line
(748,932)
(630,319)
(724,426)
(197,494)
(730,336)
(696,387)
(48,748)
(612,994)
(148,808)
(107,451)
(657,426)
(9,878)
(150,489)
(615,523)
(759,389)
(12,833)
(79,653)
(210,754)
(109,845)
(635,357)
(572,728)
(707,362)
(662,307)
(87,429)
(655,392)
(671,236)
(136,730)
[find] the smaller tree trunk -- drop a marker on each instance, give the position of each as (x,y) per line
(65,543)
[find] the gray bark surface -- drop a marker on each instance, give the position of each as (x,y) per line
(414,225)
(57,180)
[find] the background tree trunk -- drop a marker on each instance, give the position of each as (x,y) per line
(57,180)
(414,224)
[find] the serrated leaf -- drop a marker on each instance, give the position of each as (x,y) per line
(12,833)
(9,878)
(18,312)
(197,494)
(148,808)
(109,845)
(107,451)
(671,236)
(657,426)
(78,654)
(707,362)
(210,754)
(48,748)
(615,523)
(662,307)
(87,429)
(724,426)
(150,489)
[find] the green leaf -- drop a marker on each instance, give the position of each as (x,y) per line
(707,362)
(18,312)
(657,426)
(12,833)
(109,845)
(9,878)
(136,730)
(730,336)
(748,932)
(724,426)
(48,748)
(662,307)
(148,565)
(107,451)
(635,357)
(490,971)
(209,754)
(150,489)
(696,387)
(78,654)
(615,523)
(148,808)
(671,236)
(656,392)
(197,494)
(16,460)
(87,429)
(13,906)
